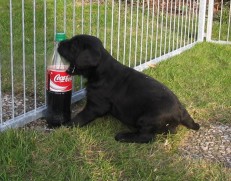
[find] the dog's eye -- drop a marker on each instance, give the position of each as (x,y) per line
(73,47)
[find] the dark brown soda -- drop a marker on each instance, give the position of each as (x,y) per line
(58,108)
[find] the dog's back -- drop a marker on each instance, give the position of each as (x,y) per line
(134,95)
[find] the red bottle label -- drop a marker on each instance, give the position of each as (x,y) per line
(58,80)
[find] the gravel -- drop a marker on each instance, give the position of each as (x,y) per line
(8,109)
(212,142)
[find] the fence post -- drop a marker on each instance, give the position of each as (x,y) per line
(210,21)
(201,23)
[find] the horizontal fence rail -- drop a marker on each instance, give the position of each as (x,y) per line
(137,33)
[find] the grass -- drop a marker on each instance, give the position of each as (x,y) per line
(201,79)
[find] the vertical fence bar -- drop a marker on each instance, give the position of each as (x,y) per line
(229,21)
(178,25)
(81,78)
(90,17)
(182,23)
(130,45)
(64,15)
(210,20)
(186,22)
(196,24)
(153,11)
(98,18)
(125,31)
(161,27)
(105,24)
(23,58)
(193,17)
(82,19)
(166,28)
(137,26)
(170,27)
(12,59)
(174,28)
(1,117)
(118,35)
(73,18)
(189,21)
(201,25)
(192,23)
(55,4)
(157,27)
(142,33)
(112,25)
(147,31)
(35,78)
(45,47)
(221,17)
(73,33)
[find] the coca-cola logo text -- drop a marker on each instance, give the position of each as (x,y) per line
(58,81)
(59,78)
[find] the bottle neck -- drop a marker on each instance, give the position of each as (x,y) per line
(58,62)
(56,45)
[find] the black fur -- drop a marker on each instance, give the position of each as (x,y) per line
(137,100)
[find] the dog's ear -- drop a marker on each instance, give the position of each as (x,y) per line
(89,57)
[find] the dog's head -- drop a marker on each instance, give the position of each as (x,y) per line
(83,52)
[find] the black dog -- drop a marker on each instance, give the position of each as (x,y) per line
(137,100)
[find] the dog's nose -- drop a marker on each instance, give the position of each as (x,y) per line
(59,45)
(71,70)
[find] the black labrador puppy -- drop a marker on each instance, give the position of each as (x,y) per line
(137,100)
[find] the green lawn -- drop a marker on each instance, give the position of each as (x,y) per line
(200,77)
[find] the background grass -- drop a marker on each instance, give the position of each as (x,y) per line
(200,77)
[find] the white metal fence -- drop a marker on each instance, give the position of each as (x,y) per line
(137,33)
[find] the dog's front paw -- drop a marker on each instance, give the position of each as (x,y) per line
(74,123)
(68,124)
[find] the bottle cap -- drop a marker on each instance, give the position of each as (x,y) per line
(60,36)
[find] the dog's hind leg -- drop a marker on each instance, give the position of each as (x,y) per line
(187,121)
(144,133)
(130,137)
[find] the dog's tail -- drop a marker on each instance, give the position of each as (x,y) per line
(187,120)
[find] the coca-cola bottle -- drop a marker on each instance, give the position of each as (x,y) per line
(59,85)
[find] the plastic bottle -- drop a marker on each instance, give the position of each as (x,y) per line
(59,88)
